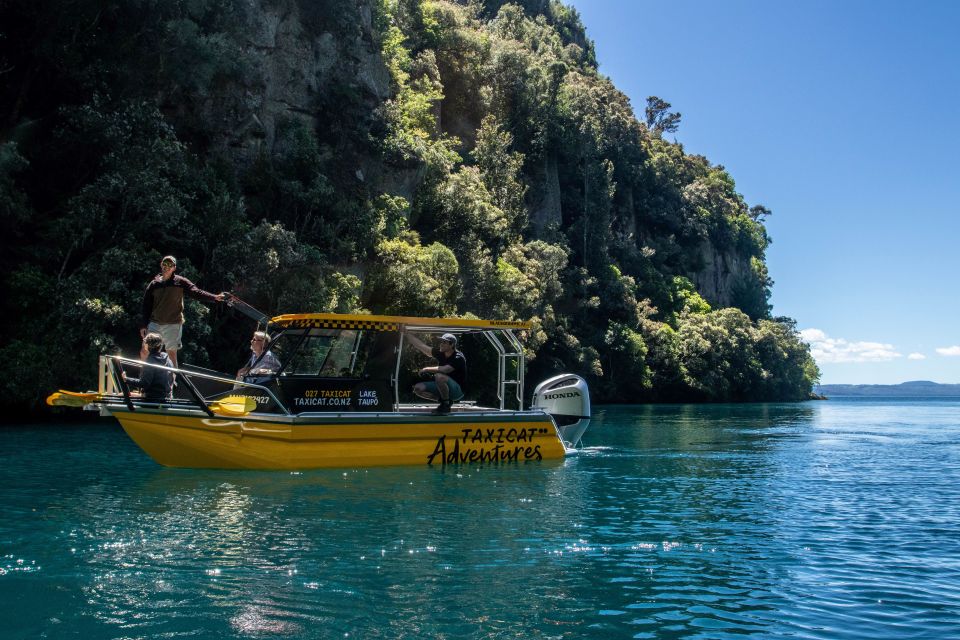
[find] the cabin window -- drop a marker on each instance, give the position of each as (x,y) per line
(330,353)
(337,353)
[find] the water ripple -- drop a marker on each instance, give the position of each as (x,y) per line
(820,520)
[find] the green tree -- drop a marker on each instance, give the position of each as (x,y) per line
(411,279)
(626,374)
(500,169)
(659,118)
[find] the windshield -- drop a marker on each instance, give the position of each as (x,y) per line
(322,352)
(337,353)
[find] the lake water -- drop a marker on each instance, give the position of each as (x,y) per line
(836,519)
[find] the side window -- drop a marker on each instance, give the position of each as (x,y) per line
(309,358)
(376,355)
(341,357)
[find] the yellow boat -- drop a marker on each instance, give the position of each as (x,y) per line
(340,399)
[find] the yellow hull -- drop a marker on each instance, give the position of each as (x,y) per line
(192,439)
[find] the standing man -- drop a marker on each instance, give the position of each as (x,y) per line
(449,376)
(163,306)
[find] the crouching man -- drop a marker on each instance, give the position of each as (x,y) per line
(449,375)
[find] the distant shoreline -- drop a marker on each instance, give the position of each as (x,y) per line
(912,389)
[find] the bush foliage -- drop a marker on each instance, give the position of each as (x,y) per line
(502,176)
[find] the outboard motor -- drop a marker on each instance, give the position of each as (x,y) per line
(567,399)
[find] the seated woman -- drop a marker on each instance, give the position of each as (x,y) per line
(156,384)
(262,364)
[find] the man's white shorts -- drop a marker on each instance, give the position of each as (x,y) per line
(171,334)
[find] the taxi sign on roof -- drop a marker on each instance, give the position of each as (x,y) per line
(389,323)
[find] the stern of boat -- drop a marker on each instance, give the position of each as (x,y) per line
(566,398)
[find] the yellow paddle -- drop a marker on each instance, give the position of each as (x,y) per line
(229,406)
(233,406)
(63,398)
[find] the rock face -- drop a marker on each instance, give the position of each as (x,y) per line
(305,56)
(314,61)
(297,59)
(547,211)
(722,272)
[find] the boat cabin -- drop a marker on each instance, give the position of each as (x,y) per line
(333,362)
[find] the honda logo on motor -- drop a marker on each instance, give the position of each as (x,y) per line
(556,396)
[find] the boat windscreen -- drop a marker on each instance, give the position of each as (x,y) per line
(336,353)
(322,352)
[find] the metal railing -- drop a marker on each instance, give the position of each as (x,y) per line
(508,361)
(112,383)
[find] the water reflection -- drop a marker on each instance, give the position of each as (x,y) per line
(818,520)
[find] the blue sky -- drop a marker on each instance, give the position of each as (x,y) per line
(843,118)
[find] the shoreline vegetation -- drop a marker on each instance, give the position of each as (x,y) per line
(415,157)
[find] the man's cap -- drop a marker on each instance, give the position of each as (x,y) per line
(449,337)
(169,259)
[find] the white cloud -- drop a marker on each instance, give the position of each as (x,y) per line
(813,335)
(823,348)
(949,351)
(916,356)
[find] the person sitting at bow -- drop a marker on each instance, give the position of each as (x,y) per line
(156,384)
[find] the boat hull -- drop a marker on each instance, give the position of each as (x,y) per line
(178,438)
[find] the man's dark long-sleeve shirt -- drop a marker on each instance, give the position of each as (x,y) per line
(163,299)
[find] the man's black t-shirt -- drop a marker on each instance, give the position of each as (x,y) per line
(459,363)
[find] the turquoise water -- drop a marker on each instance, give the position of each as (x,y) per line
(836,519)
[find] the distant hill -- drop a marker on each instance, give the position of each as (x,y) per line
(914,388)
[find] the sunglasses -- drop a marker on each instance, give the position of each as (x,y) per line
(167,265)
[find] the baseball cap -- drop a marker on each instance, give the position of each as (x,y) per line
(449,337)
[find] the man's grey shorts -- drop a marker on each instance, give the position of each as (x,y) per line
(455,392)
(172,334)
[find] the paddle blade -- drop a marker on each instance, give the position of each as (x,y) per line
(234,405)
(64,398)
